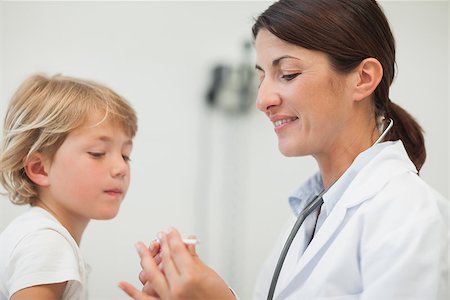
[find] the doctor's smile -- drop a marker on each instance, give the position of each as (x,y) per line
(282,121)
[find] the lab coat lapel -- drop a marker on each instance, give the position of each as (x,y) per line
(323,237)
(291,260)
(357,193)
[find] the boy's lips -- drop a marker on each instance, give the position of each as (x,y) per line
(114,192)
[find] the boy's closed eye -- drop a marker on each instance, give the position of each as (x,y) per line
(96,154)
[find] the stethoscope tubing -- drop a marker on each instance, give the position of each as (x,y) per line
(313,205)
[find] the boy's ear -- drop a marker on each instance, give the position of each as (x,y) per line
(367,77)
(36,169)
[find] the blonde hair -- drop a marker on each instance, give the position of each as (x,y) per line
(42,112)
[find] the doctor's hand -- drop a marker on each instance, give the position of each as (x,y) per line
(180,275)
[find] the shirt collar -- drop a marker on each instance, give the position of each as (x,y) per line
(314,185)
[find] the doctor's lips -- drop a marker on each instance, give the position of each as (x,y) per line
(279,121)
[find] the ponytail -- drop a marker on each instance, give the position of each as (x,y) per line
(408,131)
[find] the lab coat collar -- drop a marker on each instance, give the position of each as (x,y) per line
(364,163)
(391,160)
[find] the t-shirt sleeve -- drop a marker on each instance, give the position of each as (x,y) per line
(43,257)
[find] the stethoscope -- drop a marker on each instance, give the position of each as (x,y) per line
(312,206)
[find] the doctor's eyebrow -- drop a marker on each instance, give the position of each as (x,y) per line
(277,61)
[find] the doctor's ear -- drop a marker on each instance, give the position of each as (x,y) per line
(35,167)
(367,77)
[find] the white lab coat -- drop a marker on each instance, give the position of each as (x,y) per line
(386,239)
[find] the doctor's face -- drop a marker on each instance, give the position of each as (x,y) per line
(305,99)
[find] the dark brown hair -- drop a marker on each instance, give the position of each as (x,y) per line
(348,31)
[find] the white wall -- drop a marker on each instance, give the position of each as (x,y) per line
(218,176)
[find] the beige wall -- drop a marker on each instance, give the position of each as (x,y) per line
(217,176)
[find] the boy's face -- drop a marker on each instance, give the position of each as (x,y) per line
(90,173)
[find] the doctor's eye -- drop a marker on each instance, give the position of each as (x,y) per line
(289,77)
(126,158)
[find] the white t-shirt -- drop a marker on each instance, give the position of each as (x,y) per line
(36,249)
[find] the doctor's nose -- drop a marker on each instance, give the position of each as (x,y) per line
(267,96)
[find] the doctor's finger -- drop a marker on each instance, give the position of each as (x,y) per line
(182,256)
(143,277)
(149,290)
(191,248)
(158,258)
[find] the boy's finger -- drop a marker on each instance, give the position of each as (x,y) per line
(152,273)
(154,247)
(142,277)
(131,291)
(167,266)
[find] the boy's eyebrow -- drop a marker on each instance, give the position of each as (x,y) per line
(108,139)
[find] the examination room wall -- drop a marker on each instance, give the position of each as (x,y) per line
(204,170)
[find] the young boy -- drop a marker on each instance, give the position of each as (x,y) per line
(65,152)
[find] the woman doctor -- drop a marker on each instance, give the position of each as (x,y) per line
(325,68)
